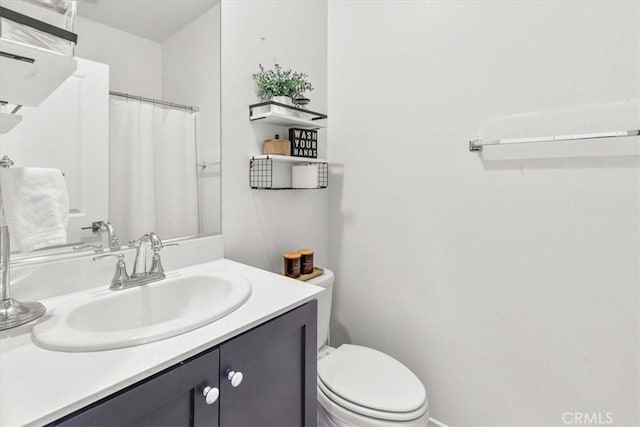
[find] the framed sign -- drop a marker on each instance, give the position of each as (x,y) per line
(304,142)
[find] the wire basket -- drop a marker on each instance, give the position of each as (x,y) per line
(267,174)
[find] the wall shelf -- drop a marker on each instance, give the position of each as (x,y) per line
(288,159)
(29,74)
(276,113)
(272,172)
(9,121)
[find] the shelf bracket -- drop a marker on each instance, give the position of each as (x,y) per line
(473,146)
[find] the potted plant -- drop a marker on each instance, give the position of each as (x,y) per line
(284,86)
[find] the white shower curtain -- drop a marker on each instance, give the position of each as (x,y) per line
(152,170)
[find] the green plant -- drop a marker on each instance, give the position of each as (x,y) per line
(279,82)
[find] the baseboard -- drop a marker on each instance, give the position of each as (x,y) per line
(436,423)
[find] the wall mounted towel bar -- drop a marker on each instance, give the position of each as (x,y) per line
(477,144)
(6,162)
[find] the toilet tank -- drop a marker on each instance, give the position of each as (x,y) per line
(324,304)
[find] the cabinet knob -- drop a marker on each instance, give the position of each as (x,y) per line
(234,377)
(211,394)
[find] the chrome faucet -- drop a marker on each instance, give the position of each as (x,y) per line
(140,275)
(103,227)
(152,241)
(114,242)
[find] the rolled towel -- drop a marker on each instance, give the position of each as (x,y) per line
(35,205)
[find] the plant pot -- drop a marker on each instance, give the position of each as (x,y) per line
(301,102)
(282,100)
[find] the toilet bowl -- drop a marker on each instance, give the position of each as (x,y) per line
(360,386)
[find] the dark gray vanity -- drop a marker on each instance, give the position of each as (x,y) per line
(277,361)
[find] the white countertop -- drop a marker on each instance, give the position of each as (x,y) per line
(38,386)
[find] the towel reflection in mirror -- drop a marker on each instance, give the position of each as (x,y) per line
(35,207)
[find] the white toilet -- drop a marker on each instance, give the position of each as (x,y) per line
(360,386)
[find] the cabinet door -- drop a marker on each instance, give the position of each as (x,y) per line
(278,364)
(172,398)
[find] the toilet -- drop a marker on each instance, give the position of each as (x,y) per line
(360,386)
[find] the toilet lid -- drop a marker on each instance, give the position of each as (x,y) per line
(371,379)
(345,409)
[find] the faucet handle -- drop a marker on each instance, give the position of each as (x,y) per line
(156,263)
(120,276)
(157,243)
(170,244)
(133,244)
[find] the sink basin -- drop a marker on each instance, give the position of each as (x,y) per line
(105,320)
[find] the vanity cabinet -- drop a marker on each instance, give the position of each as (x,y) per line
(277,361)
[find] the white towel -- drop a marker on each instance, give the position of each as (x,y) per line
(35,205)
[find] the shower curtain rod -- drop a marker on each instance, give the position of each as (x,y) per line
(155,101)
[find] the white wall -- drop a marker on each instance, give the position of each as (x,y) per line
(508,280)
(260,225)
(135,63)
(191,76)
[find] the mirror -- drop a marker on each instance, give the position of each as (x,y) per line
(136,129)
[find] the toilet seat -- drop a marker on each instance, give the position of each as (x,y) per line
(370,383)
(330,414)
(369,412)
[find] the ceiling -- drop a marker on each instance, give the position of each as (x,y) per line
(152,19)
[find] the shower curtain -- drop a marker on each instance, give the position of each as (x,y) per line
(152,170)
